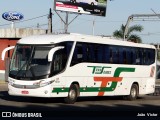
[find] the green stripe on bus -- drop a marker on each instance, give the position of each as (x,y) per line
(86,89)
(60,90)
(95,89)
(122,69)
(117,74)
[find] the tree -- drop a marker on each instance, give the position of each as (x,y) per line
(129,36)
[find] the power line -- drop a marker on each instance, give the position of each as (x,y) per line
(100,20)
(148,34)
(32,18)
(37,26)
(5,24)
(26,20)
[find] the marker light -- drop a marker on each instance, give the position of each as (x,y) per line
(42,83)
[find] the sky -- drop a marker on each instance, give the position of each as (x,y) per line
(117,14)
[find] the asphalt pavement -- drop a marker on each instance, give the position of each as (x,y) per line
(85,107)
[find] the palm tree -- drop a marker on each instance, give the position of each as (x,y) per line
(129,35)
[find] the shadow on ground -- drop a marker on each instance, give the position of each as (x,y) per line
(55,108)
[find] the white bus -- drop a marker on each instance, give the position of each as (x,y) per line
(91,2)
(72,65)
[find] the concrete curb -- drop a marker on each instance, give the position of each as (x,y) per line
(2,82)
(158,82)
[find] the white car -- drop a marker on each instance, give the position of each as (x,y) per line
(91,2)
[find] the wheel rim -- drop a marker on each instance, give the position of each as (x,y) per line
(72,94)
(133,93)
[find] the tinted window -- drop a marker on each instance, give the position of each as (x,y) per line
(100,53)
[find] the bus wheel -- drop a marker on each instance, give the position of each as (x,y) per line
(133,93)
(72,94)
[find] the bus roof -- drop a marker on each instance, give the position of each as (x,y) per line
(53,39)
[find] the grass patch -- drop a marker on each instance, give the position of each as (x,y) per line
(102,1)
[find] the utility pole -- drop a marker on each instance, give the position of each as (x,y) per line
(12,24)
(66,24)
(93,27)
(140,17)
(155,13)
(50,22)
(66,21)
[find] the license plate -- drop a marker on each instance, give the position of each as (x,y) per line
(24,92)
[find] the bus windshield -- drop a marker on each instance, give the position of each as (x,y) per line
(30,62)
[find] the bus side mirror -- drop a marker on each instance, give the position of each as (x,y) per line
(5,50)
(52,51)
(7,61)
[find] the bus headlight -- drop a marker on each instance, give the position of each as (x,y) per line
(11,82)
(42,83)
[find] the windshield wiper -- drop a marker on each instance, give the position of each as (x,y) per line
(27,65)
(21,69)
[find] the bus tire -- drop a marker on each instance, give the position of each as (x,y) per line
(72,94)
(133,93)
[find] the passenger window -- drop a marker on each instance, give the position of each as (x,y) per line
(141,56)
(133,56)
(152,59)
(106,54)
(60,58)
(77,55)
(110,56)
(128,55)
(124,57)
(99,53)
(115,56)
(90,53)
